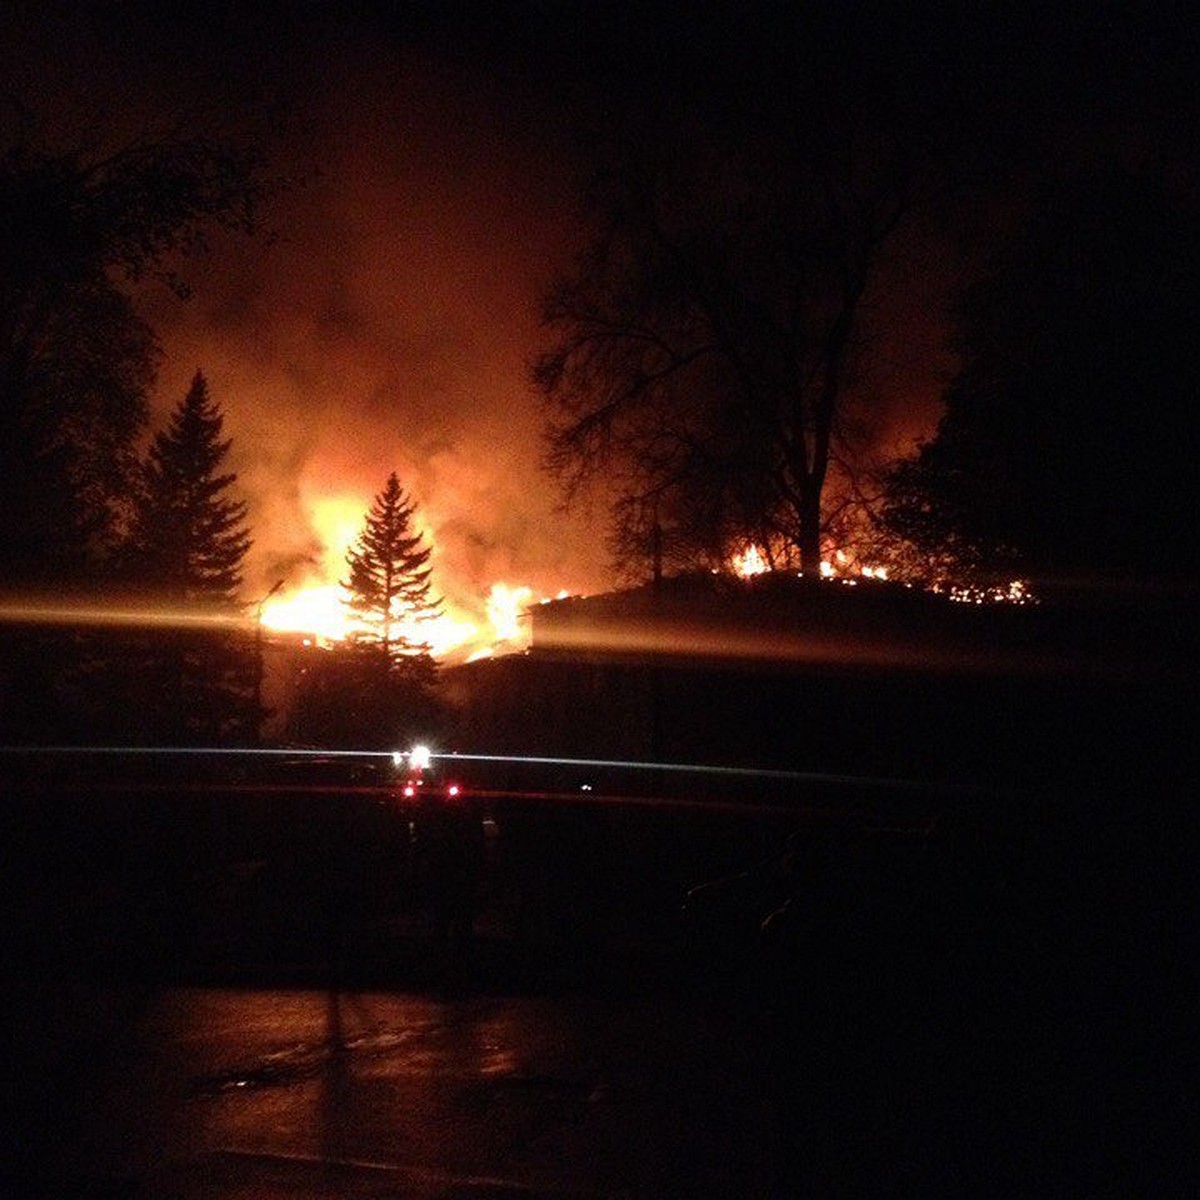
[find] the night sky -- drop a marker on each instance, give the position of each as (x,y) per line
(433,153)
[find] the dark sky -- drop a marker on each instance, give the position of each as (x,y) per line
(435,151)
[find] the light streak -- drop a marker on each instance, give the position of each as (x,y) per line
(91,614)
(676,768)
(199,751)
(609,764)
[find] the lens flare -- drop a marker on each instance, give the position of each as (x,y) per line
(40,612)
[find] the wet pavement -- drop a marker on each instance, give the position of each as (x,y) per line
(279,1092)
(962,1016)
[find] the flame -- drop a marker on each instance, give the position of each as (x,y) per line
(444,633)
(317,610)
(316,605)
(505,607)
(750,562)
(337,520)
(844,567)
(840,565)
(320,610)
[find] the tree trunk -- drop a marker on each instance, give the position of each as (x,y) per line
(810,534)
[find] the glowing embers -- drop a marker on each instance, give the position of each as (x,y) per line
(1016,591)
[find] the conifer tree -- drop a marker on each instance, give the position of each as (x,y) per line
(188,543)
(79,227)
(189,536)
(388,584)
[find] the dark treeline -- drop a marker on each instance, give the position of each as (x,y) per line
(146,642)
(96,525)
(718,355)
(122,566)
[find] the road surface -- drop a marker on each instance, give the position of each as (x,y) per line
(228,1093)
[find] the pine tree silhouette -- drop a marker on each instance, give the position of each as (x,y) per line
(188,543)
(190,537)
(389,576)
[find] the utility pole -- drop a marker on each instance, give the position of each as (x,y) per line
(656,699)
(258,653)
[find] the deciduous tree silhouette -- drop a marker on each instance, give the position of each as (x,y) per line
(703,346)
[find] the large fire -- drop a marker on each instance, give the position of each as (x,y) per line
(316,604)
(496,623)
(320,610)
(467,627)
(315,610)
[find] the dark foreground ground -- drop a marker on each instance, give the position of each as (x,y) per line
(301,992)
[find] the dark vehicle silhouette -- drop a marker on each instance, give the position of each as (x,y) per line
(444,852)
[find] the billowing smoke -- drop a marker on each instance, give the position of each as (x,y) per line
(389,326)
(389,321)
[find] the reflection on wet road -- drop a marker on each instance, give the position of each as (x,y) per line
(236,1093)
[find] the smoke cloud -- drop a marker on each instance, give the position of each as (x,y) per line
(389,326)
(389,322)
